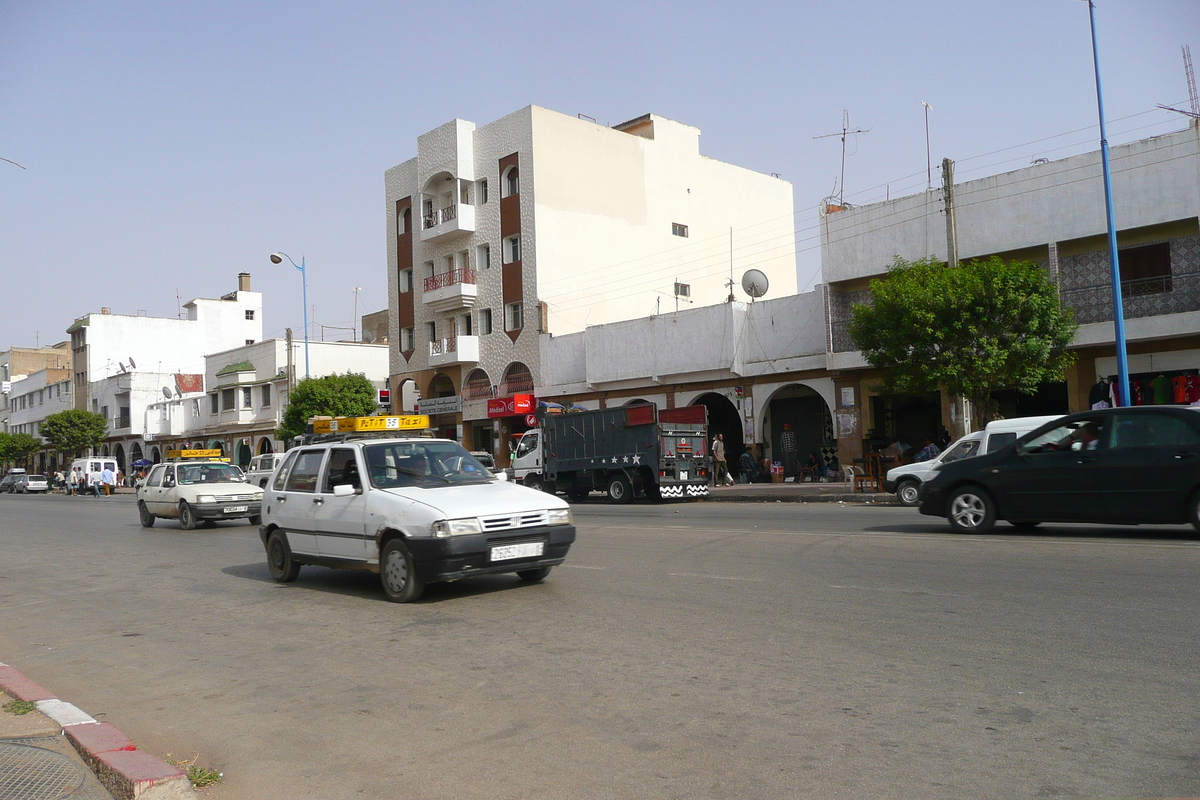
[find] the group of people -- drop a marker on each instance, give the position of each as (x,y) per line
(758,470)
(95,482)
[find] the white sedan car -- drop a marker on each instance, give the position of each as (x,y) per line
(198,491)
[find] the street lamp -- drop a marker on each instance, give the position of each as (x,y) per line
(277,258)
(1118,309)
(357,289)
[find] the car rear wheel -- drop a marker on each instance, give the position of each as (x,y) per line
(906,493)
(971,510)
(283,567)
(620,491)
(187,517)
(533,575)
(398,574)
(1194,509)
(145,516)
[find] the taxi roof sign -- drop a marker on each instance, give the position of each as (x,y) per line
(412,422)
(182,454)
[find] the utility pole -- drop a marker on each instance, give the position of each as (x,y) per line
(291,373)
(928,159)
(951,227)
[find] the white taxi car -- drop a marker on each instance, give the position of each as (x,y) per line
(414,510)
(198,491)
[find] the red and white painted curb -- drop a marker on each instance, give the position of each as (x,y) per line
(124,770)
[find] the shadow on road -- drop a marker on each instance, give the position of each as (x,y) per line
(360,583)
(1058,531)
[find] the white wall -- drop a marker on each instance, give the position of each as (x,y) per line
(1154,181)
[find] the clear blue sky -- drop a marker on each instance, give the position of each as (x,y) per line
(169,146)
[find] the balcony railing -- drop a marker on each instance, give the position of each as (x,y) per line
(460,275)
(449,213)
(430,220)
(443,346)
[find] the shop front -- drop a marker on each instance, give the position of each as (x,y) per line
(444,415)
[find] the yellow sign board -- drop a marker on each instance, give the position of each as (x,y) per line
(415,422)
(193,454)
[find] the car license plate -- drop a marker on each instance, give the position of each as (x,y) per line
(683,476)
(524,550)
(236,509)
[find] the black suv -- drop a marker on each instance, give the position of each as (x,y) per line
(1118,465)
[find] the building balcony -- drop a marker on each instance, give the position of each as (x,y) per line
(445,222)
(454,350)
(451,291)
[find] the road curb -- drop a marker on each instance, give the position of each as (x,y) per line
(846,497)
(128,773)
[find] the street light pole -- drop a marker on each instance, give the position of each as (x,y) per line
(1118,307)
(277,258)
(357,289)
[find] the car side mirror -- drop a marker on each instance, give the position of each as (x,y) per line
(344,490)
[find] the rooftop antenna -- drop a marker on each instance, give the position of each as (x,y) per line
(845,130)
(1191,84)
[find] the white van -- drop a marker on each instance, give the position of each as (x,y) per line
(905,479)
(262,467)
(91,464)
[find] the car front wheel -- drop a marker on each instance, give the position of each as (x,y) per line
(187,517)
(533,575)
(907,493)
(397,573)
(145,516)
(971,510)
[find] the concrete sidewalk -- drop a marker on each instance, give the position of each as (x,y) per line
(797,493)
(58,750)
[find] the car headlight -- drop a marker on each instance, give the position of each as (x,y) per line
(205,498)
(444,528)
(558,516)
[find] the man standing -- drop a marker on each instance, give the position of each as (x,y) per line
(720,465)
(95,479)
(109,479)
(791,453)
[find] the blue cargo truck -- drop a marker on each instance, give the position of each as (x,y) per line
(632,451)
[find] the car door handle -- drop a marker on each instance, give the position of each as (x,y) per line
(1185,454)
(1089,460)
(319,500)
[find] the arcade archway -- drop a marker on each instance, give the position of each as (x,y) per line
(724,419)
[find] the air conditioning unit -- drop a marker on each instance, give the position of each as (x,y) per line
(683,289)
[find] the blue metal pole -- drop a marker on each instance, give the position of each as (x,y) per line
(1118,308)
(304,280)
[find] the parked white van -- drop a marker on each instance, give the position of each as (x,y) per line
(906,479)
(262,468)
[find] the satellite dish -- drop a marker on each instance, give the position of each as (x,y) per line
(131,364)
(121,367)
(755,283)
(167,392)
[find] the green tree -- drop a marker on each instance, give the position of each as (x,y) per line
(969,330)
(18,447)
(74,430)
(349,395)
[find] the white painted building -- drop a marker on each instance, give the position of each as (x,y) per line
(542,223)
(1053,214)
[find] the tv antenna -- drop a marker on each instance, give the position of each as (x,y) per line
(1194,101)
(844,132)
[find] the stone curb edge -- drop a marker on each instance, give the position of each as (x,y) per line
(861,499)
(126,772)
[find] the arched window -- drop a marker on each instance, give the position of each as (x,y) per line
(478,385)
(512,182)
(517,379)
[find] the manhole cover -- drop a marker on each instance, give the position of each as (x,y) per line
(35,773)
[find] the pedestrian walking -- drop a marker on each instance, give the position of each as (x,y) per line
(746,467)
(720,464)
(94,482)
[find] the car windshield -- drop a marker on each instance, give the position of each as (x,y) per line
(1080,434)
(208,473)
(422,463)
(964,449)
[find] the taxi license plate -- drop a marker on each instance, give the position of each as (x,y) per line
(236,509)
(523,550)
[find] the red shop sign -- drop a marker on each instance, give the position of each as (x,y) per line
(516,405)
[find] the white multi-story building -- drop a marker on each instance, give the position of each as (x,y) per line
(1053,214)
(246,390)
(542,223)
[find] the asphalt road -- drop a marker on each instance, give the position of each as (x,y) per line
(702,650)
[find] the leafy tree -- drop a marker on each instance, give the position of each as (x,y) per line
(349,395)
(970,330)
(74,430)
(17,447)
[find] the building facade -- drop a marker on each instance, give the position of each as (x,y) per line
(1053,214)
(544,224)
